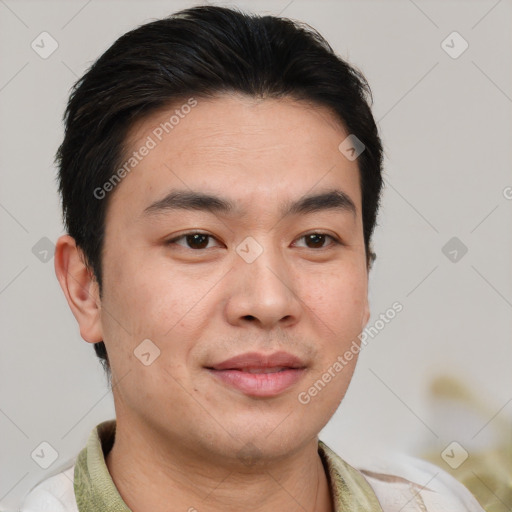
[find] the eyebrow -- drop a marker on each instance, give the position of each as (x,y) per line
(333,199)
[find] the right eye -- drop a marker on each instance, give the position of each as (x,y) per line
(194,239)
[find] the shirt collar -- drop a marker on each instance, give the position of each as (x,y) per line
(95,489)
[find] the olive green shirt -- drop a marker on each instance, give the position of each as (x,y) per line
(86,485)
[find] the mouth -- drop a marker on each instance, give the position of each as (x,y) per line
(262,370)
(259,375)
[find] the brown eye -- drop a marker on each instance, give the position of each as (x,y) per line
(193,240)
(197,241)
(317,240)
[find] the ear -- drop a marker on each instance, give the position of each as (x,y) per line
(366,313)
(365,317)
(80,288)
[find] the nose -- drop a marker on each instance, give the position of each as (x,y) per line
(263,292)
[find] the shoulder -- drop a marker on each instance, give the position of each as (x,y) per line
(54,494)
(409,484)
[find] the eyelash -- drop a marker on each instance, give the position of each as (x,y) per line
(334,242)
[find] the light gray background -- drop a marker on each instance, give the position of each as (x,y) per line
(446,124)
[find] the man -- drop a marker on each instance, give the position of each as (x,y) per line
(220,178)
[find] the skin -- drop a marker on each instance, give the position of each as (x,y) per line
(180,431)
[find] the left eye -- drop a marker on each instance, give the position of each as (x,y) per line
(317,240)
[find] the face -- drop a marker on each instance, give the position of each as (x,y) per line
(247,300)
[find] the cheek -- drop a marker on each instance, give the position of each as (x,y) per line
(337,298)
(156,305)
(144,300)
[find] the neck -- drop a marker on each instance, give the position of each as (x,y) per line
(152,476)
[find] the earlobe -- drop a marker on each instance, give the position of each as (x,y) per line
(80,288)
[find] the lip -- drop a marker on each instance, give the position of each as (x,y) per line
(258,360)
(260,375)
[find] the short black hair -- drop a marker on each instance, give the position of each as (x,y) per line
(201,51)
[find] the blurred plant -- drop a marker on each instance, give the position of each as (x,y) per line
(487,472)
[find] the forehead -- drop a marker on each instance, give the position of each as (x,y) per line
(256,151)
